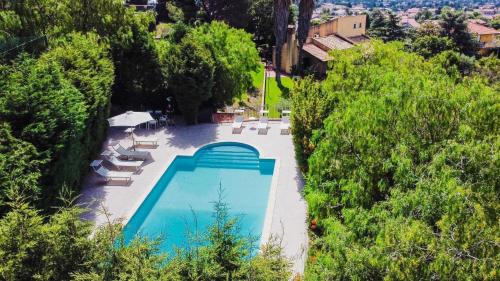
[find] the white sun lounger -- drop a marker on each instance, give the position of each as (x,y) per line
(124,153)
(262,126)
(125,164)
(145,140)
(113,175)
(237,123)
(285,125)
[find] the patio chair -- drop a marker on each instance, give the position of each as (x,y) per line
(113,175)
(152,123)
(262,126)
(162,120)
(144,140)
(238,124)
(125,164)
(129,155)
(285,125)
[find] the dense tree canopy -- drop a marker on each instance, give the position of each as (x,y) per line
(400,150)
(385,26)
(53,109)
(430,45)
(454,26)
(402,181)
(192,79)
(20,168)
(10,22)
(102,51)
(261,22)
(211,62)
(311,106)
(57,106)
(233,12)
(235,58)
(63,247)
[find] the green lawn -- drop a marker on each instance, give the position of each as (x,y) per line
(273,94)
(257,81)
(258,77)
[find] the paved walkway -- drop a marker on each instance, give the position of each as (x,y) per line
(288,216)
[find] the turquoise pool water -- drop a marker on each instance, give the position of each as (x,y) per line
(182,200)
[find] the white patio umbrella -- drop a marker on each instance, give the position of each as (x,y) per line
(130,119)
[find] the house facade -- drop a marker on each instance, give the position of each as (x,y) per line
(489,38)
(335,34)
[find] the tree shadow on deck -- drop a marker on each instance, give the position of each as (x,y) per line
(192,136)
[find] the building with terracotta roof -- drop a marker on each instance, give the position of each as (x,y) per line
(336,34)
(407,22)
(142,5)
(412,12)
(489,38)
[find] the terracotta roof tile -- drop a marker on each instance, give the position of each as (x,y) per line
(333,42)
(481,29)
(359,39)
(316,52)
(411,22)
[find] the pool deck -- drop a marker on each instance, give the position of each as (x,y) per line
(287,213)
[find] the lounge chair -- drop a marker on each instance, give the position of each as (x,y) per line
(262,126)
(125,164)
(145,140)
(129,155)
(285,125)
(237,123)
(113,175)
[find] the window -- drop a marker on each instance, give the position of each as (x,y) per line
(359,25)
(354,26)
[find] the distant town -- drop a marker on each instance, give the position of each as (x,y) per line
(484,9)
(400,5)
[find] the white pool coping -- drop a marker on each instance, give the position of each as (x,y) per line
(271,200)
(286,209)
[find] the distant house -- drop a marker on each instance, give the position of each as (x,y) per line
(336,34)
(142,5)
(409,23)
(412,12)
(487,11)
(358,9)
(489,38)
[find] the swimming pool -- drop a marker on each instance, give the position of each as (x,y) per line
(182,200)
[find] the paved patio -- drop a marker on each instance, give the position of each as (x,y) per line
(287,214)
